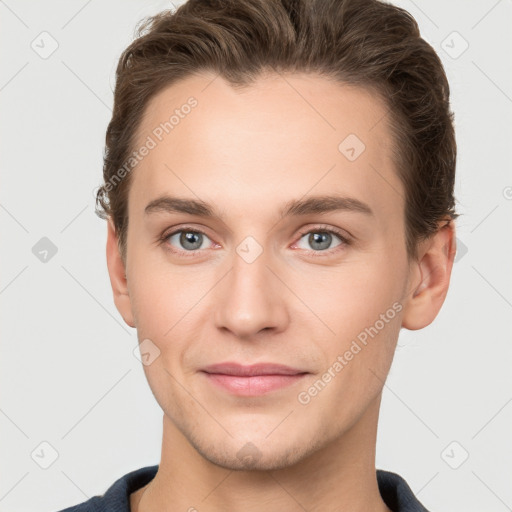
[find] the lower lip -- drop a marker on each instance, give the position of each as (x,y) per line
(252,386)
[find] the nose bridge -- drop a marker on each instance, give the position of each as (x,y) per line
(249,300)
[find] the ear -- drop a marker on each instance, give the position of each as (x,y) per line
(429,278)
(116,270)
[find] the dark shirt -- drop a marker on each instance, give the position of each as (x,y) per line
(393,488)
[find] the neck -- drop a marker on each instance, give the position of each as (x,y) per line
(339,476)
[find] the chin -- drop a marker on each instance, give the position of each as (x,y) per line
(261,454)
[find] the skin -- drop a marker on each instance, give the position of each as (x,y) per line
(248,153)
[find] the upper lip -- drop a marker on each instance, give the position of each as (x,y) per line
(251,370)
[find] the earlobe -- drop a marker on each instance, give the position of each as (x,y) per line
(117,273)
(430,278)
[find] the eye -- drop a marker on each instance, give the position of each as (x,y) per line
(185,241)
(321,240)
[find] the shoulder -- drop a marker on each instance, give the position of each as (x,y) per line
(117,497)
(397,494)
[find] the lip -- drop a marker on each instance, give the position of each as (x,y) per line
(240,370)
(252,380)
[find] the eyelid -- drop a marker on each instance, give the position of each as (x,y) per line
(324,228)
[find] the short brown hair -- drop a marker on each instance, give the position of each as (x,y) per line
(366,43)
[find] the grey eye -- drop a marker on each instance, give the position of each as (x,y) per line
(189,240)
(319,240)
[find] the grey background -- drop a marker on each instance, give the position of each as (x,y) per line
(68,374)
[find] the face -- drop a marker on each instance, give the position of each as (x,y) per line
(271,274)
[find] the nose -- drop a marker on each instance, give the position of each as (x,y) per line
(251,298)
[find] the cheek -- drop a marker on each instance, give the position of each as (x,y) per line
(163,308)
(353,296)
(159,294)
(361,305)
(159,299)
(169,310)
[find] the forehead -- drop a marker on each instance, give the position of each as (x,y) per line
(282,136)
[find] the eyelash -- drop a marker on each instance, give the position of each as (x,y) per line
(345,241)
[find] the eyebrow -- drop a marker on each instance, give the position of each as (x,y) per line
(295,207)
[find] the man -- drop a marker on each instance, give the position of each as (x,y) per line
(279,194)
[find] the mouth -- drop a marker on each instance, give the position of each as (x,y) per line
(252,380)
